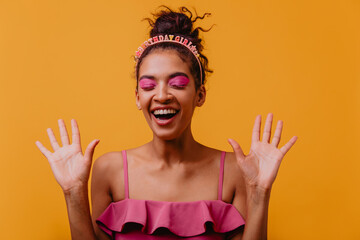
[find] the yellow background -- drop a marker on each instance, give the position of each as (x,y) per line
(298,59)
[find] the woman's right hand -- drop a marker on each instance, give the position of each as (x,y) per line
(70,166)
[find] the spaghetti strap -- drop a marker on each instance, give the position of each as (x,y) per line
(221,175)
(126,178)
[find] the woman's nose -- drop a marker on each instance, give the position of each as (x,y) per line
(162,94)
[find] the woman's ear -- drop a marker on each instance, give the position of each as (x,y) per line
(137,99)
(201,96)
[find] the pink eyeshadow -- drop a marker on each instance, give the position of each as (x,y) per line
(147,83)
(179,81)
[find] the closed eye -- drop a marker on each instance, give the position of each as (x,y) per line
(179,81)
(147,84)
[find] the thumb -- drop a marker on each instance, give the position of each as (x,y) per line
(89,152)
(237,149)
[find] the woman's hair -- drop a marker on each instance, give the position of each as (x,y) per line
(180,23)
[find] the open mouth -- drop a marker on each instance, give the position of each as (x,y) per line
(164,114)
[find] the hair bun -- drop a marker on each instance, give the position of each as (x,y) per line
(172,23)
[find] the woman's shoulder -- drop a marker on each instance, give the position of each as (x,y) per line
(108,162)
(111,161)
(232,171)
(232,168)
(233,182)
(230,159)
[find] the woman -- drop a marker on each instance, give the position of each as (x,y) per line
(172,187)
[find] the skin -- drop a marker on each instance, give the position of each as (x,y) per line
(178,163)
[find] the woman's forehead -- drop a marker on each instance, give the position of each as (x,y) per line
(163,62)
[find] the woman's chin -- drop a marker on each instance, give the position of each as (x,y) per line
(166,135)
(169,134)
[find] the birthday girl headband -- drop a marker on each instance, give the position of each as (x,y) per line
(169,38)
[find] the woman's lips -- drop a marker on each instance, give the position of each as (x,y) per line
(164,116)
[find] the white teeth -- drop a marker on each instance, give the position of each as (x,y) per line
(164,111)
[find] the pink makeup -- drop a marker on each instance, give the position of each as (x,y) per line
(179,81)
(147,83)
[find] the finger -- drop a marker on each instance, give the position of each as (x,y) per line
(256,129)
(237,149)
(267,128)
(63,132)
(43,149)
(89,152)
(277,134)
(288,145)
(53,142)
(75,132)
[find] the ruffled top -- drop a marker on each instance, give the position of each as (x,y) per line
(183,219)
(135,219)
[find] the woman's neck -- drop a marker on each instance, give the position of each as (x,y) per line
(175,151)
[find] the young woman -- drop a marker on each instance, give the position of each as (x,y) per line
(171,187)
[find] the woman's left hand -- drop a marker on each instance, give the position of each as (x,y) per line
(261,165)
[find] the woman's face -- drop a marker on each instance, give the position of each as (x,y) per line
(166,93)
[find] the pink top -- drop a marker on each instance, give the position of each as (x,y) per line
(152,220)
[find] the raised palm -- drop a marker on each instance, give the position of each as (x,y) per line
(261,165)
(70,167)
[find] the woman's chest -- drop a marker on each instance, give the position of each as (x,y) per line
(179,184)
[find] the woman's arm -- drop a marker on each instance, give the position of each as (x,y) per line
(71,170)
(106,171)
(257,203)
(77,203)
(259,169)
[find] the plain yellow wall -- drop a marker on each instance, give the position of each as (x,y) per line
(298,59)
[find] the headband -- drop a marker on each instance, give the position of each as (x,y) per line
(173,39)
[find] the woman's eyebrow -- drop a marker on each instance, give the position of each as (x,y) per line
(178,74)
(146,76)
